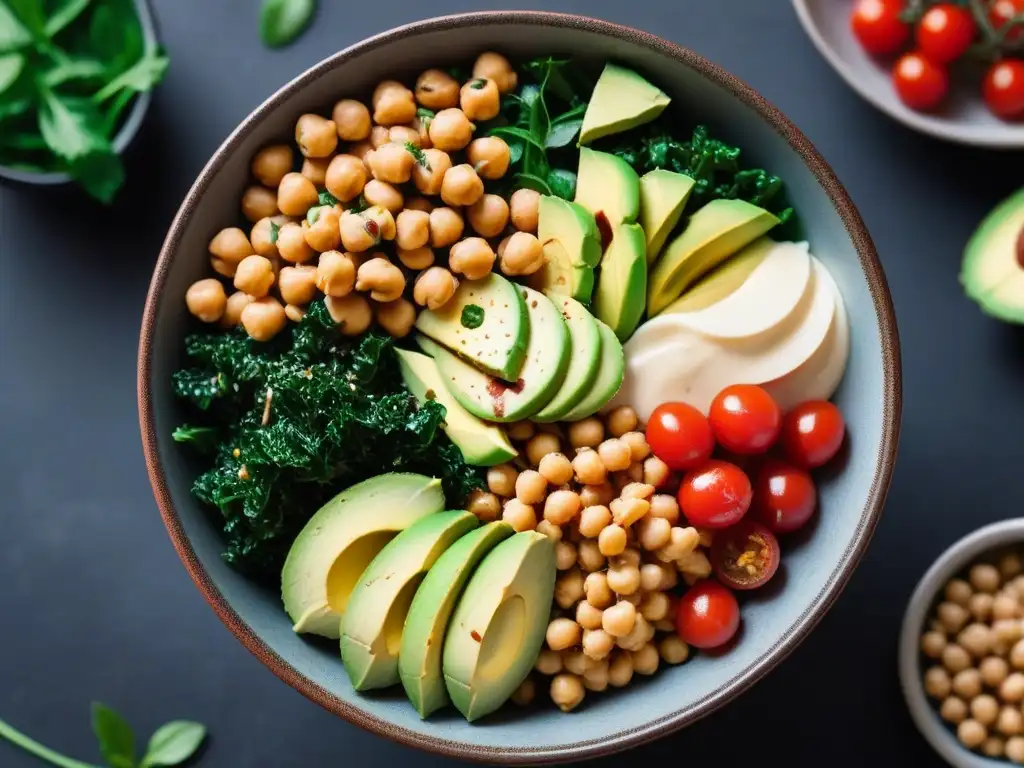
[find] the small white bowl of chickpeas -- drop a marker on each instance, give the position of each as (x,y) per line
(961,654)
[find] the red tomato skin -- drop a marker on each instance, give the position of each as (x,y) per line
(707,615)
(812,433)
(1003,88)
(745,419)
(745,529)
(921,84)
(1001,12)
(785,497)
(878,26)
(680,435)
(945,32)
(715,495)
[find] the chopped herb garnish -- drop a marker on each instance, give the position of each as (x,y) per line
(326,198)
(478,84)
(359,205)
(274,230)
(419,154)
(472,316)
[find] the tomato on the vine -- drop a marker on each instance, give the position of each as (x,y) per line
(680,435)
(812,433)
(784,497)
(708,615)
(745,556)
(715,495)
(878,26)
(1004,88)
(745,419)
(945,32)
(1002,12)
(920,83)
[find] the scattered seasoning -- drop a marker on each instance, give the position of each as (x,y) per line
(266,407)
(372,229)
(472,316)
(475,635)
(243,473)
(236,453)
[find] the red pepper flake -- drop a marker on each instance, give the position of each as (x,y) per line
(476,636)
(372,229)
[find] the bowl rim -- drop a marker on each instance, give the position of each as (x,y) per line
(617,740)
(938,128)
(949,563)
(132,124)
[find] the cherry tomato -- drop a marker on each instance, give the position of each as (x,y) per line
(1002,12)
(784,496)
(1004,88)
(715,495)
(920,83)
(878,26)
(812,433)
(745,556)
(745,419)
(680,436)
(945,32)
(708,615)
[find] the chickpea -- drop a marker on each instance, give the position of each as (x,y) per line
(1009,631)
(683,542)
(294,313)
(976,639)
(206,299)
(624,579)
(496,67)
(540,446)
(619,620)
(258,203)
(298,284)
(271,163)
(622,420)
(587,433)
(666,507)
(525,693)
(402,134)
(548,662)
(566,691)
(436,89)
(980,606)
(417,258)
(387,196)
(379,136)
(596,677)
(562,634)
(1010,565)
(993,746)
(555,468)
(419,203)
(524,206)
(434,288)
(696,563)
(346,177)
(952,616)
(625,512)
(445,227)
(236,302)
(230,245)
(958,591)
(352,313)
(971,733)
(576,662)
(480,99)
(489,215)
(597,643)
(637,490)
(429,176)
(393,104)
(382,279)
(656,472)
(316,136)
(589,468)
(984,577)
(1005,607)
(523,255)
(594,519)
(630,556)
(646,660)
(620,669)
(296,194)
(1011,690)
(967,683)
(600,494)
(264,318)
(255,276)
(489,156)
(462,186)
(1014,749)
(569,587)
(264,236)
(565,553)
(315,169)
(397,317)
(352,120)
(292,245)
(501,479)
(392,163)
(553,532)
(324,234)
(612,540)
(937,683)
(358,234)
(655,533)
(615,454)
(985,709)
(450,130)
(360,150)
(561,507)
(953,710)
(932,644)
(955,658)
(531,487)
(655,606)
(520,516)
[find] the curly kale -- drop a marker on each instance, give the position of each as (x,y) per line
(287,425)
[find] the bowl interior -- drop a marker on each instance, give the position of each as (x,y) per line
(964,119)
(814,568)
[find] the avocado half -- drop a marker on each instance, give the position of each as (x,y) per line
(992,272)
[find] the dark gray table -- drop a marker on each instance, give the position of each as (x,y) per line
(93,601)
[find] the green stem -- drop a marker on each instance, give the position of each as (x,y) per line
(35,748)
(980,14)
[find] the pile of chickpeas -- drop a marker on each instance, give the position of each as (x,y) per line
(621,548)
(976,639)
(413,217)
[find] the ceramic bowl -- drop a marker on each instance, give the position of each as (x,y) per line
(815,569)
(965,119)
(927,593)
(132,119)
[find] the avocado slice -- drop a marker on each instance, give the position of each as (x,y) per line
(714,233)
(485,322)
(572,248)
(547,359)
(992,272)
(419,658)
(339,541)
(609,188)
(371,629)
(621,100)
(663,195)
(721,282)
(585,355)
(482,445)
(498,626)
(610,373)
(622,282)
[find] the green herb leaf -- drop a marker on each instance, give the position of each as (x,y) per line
(313,214)
(31,14)
(113,112)
(275,229)
(472,316)
(419,154)
(14,108)
(67,13)
(100,173)
(512,132)
(13,34)
(69,129)
(562,183)
(282,21)
(74,69)
(326,198)
(478,84)
(115,736)
(174,743)
(115,35)
(203,439)
(11,66)
(360,205)
(140,77)
(530,181)
(565,127)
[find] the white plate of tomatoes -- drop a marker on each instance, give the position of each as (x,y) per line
(953,70)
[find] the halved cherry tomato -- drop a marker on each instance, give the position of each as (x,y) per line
(945,32)
(745,556)
(680,435)
(921,84)
(715,495)
(708,615)
(1002,12)
(1004,88)
(878,26)
(784,497)
(745,419)
(812,433)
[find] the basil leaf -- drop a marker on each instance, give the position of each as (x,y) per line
(74,69)
(281,21)
(512,131)
(100,173)
(515,151)
(530,181)
(113,115)
(14,108)
(69,128)
(117,742)
(13,34)
(31,14)
(11,66)
(115,35)
(174,743)
(68,12)
(562,183)
(25,142)
(140,77)
(562,133)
